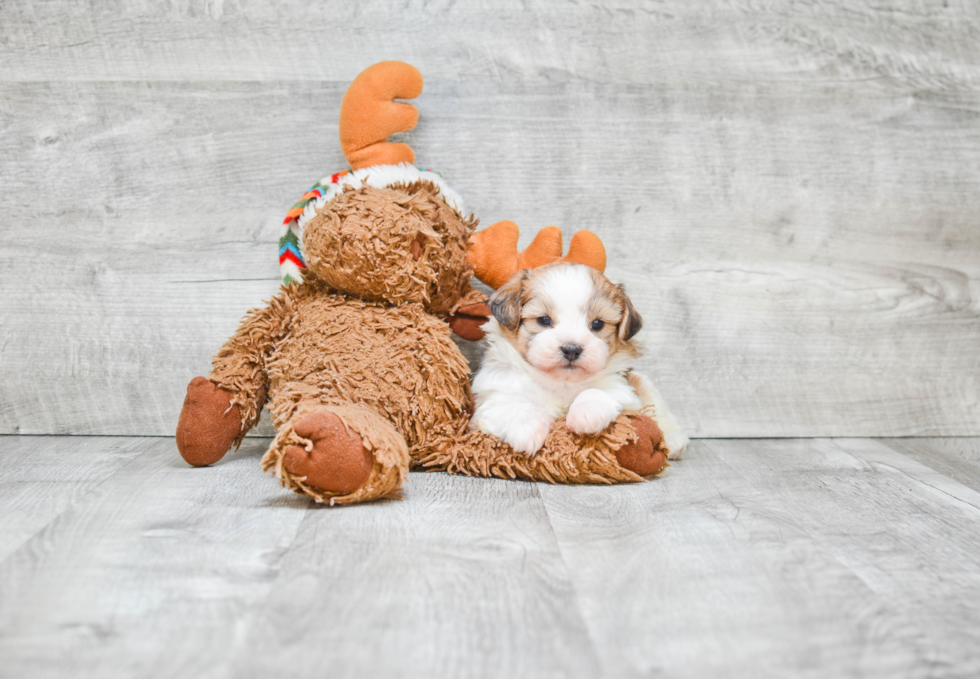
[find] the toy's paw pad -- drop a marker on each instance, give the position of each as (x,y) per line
(338,463)
(208,424)
(647,455)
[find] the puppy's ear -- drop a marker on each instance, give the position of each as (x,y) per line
(505,303)
(631,323)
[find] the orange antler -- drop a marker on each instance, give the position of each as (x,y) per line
(586,248)
(368,114)
(493,251)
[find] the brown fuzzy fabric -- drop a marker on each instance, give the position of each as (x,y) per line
(239,365)
(390,372)
(363,244)
(397,360)
(565,457)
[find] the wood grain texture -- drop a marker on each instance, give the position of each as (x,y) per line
(623,41)
(957,458)
(789,192)
(462,578)
(150,573)
(43,476)
(168,571)
(778,558)
(748,558)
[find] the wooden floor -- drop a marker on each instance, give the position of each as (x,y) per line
(749,558)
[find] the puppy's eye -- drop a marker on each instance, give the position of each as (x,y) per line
(544,321)
(597,325)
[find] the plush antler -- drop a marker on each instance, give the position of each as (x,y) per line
(493,251)
(368,114)
(586,248)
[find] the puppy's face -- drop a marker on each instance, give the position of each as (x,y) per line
(565,319)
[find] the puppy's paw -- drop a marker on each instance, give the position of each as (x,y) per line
(591,412)
(676,444)
(528,435)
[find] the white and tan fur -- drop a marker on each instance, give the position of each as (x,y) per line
(560,344)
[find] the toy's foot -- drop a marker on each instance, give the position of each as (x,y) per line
(338,463)
(338,454)
(209,423)
(648,454)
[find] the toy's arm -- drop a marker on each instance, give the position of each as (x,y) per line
(219,411)
(470,313)
(239,366)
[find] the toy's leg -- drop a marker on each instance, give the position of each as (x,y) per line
(209,423)
(655,407)
(339,454)
(629,449)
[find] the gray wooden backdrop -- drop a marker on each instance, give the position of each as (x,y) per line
(789,190)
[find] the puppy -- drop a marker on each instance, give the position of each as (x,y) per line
(560,344)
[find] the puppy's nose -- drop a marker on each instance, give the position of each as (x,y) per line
(571,351)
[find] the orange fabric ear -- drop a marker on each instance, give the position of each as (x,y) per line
(368,114)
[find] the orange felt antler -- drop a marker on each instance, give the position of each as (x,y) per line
(493,251)
(368,114)
(586,248)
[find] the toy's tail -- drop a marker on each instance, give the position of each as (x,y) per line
(368,114)
(493,251)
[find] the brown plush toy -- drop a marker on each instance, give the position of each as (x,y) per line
(355,356)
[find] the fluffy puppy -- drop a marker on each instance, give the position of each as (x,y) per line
(560,344)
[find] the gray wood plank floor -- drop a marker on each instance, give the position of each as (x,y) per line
(749,558)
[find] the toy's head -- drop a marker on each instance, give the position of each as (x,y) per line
(385,230)
(388,231)
(401,243)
